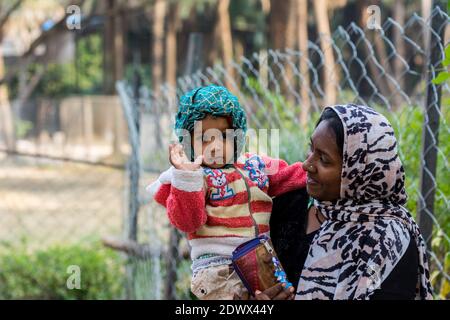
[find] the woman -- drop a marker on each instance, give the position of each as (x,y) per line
(356,241)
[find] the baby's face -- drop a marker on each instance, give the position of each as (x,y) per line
(213,137)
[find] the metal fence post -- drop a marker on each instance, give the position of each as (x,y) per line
(430,138)
(135,162)
(134,172)
(193,63)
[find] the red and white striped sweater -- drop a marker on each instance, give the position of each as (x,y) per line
(221,208)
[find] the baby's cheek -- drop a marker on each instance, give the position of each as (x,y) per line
(229,150)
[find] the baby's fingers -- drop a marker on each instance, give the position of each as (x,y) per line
(174,156)
(198,161)
(179,149)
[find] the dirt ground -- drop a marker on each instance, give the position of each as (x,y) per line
(47,202)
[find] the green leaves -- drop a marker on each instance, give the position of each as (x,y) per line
(443,75)
(43,274)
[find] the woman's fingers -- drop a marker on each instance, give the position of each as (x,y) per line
(285,294)
(277,292)
(273,291)
(261,296)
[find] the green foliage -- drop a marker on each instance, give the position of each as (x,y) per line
(22,128)
(443,76)
(84,75)
(144,71)
(43,274)
(58,80)
(89,64)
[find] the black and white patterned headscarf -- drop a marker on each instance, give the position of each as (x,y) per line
(368,230)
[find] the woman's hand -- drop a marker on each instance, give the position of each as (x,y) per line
(277,292)
(179,160)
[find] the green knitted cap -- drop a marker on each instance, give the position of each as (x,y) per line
(214,100)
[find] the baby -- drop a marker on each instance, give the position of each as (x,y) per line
(218,199)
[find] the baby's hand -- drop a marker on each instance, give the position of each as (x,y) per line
(179,160)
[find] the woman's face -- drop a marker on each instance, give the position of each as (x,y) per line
(323,164)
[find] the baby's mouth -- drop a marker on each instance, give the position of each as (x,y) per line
(217,160)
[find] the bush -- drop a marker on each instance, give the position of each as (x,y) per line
(43,274)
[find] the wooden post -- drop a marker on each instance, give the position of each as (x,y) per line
(88,124)
(430,137)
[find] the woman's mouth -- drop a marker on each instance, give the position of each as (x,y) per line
(311,181)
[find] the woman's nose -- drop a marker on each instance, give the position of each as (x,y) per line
(308,166)
(305,165)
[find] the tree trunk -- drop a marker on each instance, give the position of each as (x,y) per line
(113,54)
(6,114)
(263,63)
(302,26)
(399,43)
(7,128)
(226,41)
(159,13)
(329,72)
(290,44)
(171,44)
(392,93)
(278,24)
(373,68)
(118,45)
(427,6)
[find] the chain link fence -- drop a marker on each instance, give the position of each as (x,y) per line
(286,90)
(48,202)
(64,182)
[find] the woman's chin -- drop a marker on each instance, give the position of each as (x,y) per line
(313,191)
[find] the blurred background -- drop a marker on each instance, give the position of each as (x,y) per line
(88,91)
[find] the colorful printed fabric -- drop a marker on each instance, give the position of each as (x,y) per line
(220,209)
